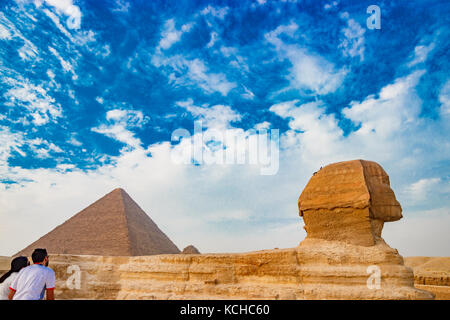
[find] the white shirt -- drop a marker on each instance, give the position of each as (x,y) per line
(4,286)
(31,280)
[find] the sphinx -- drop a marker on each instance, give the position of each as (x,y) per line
(349,201)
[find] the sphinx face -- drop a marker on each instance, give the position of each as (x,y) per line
(383,204)
(349,201)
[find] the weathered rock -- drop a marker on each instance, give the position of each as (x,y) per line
(431,274)
(317,269)
(348,201)
(190,250)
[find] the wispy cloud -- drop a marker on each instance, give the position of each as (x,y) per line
(193,72)
(66,8)
(171,35)
(309,71)
(419,190)
(352,44)
(421,53)
(396,106)
(217,116)
(120,123)
(34,98)
(444,98)
(215,11)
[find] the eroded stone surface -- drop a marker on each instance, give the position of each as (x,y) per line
(317,269)
(348,201)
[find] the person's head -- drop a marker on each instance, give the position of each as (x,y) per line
(16,265)
(40,256)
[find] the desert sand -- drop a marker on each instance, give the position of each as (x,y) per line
(431,274)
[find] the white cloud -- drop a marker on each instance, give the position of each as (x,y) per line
(120,123)
(4,33)
(309,71)
(58,24)
(312,130)
(212,41)
(74,141)
(171,35)
(132,118)
(8,30)
(418,191)
(421,53)
(8,142)
(34,98)
(215,12)
(120,133)
(194,72)
(331,5)
(122,6)
(315,73)
(396,106)
(217,116)
(28,51)
(353,43)
(67,8)
(210,82)
(67,66)
(247,93)
(263,125)
(79,37)
(42,148)
(50,74)
(236,60)
(444,98)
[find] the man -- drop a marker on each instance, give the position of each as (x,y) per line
(32,280)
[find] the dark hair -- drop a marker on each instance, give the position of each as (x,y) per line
(38,255)
(16,265)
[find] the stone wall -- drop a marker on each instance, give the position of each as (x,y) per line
(269,274)
(431,274)
(317,269)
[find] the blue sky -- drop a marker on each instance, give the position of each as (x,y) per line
(91,92)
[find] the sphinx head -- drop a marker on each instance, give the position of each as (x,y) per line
(348,201)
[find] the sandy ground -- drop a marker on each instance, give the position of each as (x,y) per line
(431,274)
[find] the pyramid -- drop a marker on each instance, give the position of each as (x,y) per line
(190,250)
(112,226)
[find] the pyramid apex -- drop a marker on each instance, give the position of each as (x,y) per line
(120,191)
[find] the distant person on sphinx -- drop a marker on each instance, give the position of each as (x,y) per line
(32,282)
